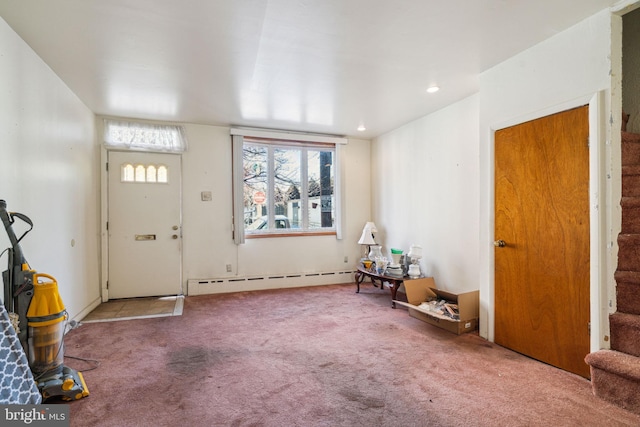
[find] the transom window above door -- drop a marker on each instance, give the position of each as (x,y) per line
(134,136)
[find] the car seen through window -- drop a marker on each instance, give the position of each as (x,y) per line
(261,223)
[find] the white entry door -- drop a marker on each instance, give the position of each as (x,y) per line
(144,228)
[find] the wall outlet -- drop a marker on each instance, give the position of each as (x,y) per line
(206,196)
(228,268)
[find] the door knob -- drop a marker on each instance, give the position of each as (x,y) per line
(175,236)
(499,243)
(175,227)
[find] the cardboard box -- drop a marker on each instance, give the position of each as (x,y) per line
(421,290)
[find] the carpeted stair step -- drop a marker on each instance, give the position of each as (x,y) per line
(615,373)
(625,333)
(628,291)
(629,252)
(630,148)
(615,377)
(631,181)
(630,215)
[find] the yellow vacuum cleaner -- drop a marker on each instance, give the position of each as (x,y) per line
(32,299)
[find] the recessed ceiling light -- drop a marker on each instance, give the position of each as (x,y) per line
(361,128)
(433,89)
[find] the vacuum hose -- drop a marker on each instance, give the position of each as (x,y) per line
(18,278)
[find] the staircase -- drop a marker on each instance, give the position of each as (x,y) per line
(615,373)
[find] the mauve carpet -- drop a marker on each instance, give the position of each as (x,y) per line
(316,356)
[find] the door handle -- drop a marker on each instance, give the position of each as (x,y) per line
(175,236)
(499,243)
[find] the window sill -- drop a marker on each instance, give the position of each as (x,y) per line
(300,234)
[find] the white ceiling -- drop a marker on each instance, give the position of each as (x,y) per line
(323,66)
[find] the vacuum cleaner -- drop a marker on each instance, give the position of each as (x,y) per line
(39,317)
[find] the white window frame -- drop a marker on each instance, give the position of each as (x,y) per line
(289,139)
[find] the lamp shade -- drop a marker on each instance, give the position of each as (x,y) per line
(366,238)
(415,251)
(367,234)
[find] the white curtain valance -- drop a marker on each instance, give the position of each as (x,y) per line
(144,136)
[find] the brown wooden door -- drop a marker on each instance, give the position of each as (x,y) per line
(542,215)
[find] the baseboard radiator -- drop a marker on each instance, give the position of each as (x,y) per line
(254,283)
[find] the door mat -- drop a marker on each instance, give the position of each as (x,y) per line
(136,308)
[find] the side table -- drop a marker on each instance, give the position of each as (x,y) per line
(394,281)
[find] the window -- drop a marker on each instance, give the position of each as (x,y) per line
(288,187)
(285,186)
(142,173)
(144,137)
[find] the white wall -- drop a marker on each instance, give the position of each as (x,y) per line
(425,192)
(565,71)
(48,164)
(433,178)
(208,244)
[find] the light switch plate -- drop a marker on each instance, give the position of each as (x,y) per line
(206,196)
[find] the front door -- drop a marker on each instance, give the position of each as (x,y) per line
(144,227)
(542,247)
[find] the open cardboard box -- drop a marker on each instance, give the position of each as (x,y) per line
(421,290)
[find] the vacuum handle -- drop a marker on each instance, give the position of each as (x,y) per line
(8,220)
(36,276)
(22,217)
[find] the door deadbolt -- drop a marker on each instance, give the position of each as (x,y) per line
(175,227)
(499,243)
(175,236)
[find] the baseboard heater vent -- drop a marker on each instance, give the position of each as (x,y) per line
(252,283)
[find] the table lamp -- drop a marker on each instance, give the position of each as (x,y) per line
(367,236)
(415,253)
